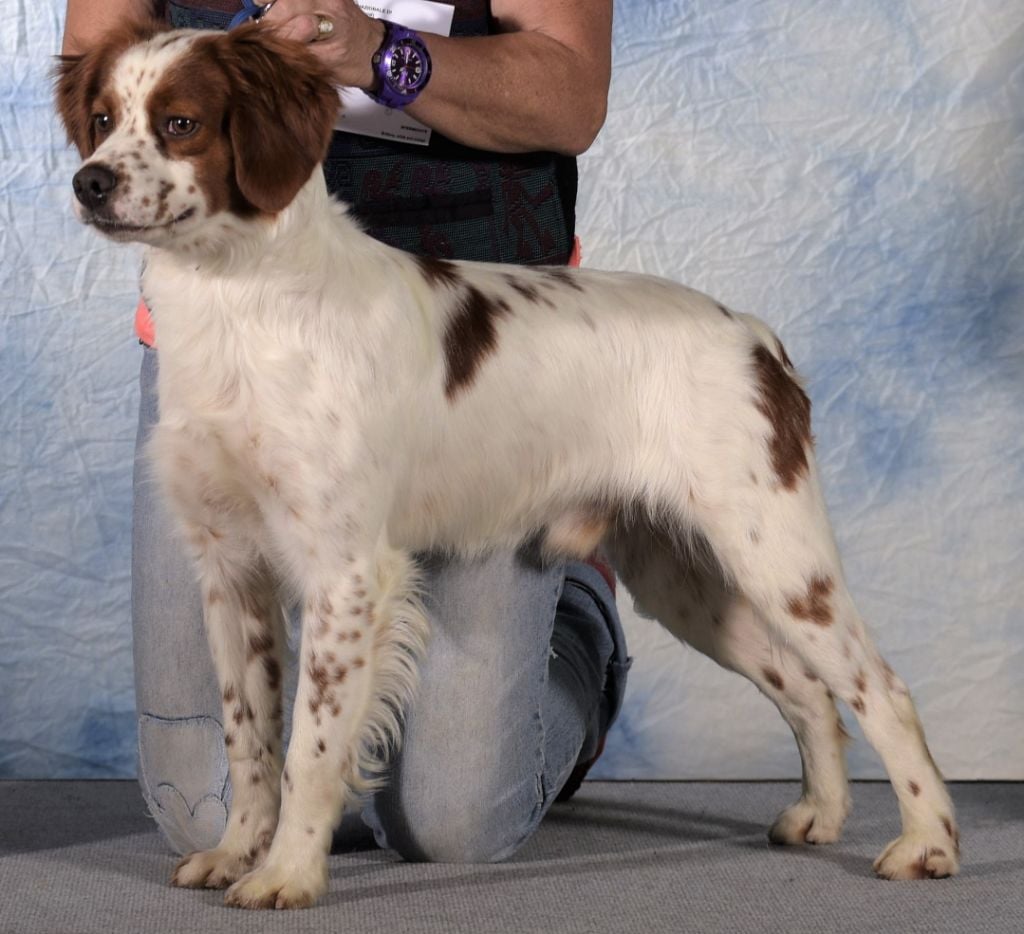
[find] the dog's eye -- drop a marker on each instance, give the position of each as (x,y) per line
(103,123)
(181,126)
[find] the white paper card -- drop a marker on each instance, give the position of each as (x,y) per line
(361,115)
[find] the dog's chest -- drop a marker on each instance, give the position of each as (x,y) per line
(253,414)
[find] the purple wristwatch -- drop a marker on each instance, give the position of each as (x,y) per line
(402,67)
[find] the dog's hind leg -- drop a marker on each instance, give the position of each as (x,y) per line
(682,587)
(756,499)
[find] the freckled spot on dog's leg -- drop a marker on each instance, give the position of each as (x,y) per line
(814,605)
(773,678)
(915,789)
(858,704)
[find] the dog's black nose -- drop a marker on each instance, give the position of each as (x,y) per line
(93,185)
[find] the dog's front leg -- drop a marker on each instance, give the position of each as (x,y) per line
(361,632)
(245,628)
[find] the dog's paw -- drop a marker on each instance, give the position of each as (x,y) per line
(212,869)
(919,856)
(808,822)
(277,887)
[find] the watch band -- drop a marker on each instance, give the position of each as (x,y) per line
(402,66)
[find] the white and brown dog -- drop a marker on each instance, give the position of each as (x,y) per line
(329,404)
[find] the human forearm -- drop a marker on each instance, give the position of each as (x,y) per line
(88,20)
(512,92)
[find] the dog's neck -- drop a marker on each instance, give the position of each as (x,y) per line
(232,245)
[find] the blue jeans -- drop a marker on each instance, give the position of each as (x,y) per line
(525,669)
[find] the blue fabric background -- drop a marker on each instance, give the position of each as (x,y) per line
(851,171)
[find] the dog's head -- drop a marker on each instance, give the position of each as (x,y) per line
(178,127)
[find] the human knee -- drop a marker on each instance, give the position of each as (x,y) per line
(461,839)
(456,823)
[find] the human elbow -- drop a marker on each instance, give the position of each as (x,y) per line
(585,123)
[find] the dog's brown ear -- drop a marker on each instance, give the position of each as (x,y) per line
(79,79)
(75,77)
(281,113)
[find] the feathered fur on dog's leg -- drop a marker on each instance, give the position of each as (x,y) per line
(362,634)
(682,586)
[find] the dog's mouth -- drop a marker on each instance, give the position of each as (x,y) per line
(118,229)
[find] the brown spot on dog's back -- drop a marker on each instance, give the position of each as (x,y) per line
(858,704)
(470,338)
(788,410)
(563,277)
(814,605)
(773,678)
(860,682)
(524,288)
(438,271)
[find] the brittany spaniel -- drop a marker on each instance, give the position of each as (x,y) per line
(329,405)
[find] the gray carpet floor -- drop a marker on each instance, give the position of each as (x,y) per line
(81,857)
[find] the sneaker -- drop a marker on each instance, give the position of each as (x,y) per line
(579,772)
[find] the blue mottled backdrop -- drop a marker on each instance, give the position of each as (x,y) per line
(851,171)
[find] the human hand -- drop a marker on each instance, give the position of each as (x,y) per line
(341,35)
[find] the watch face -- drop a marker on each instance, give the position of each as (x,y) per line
(406,67)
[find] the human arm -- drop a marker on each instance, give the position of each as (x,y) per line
(86,21)
(541,83)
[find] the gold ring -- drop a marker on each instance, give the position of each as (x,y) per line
(324,27)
